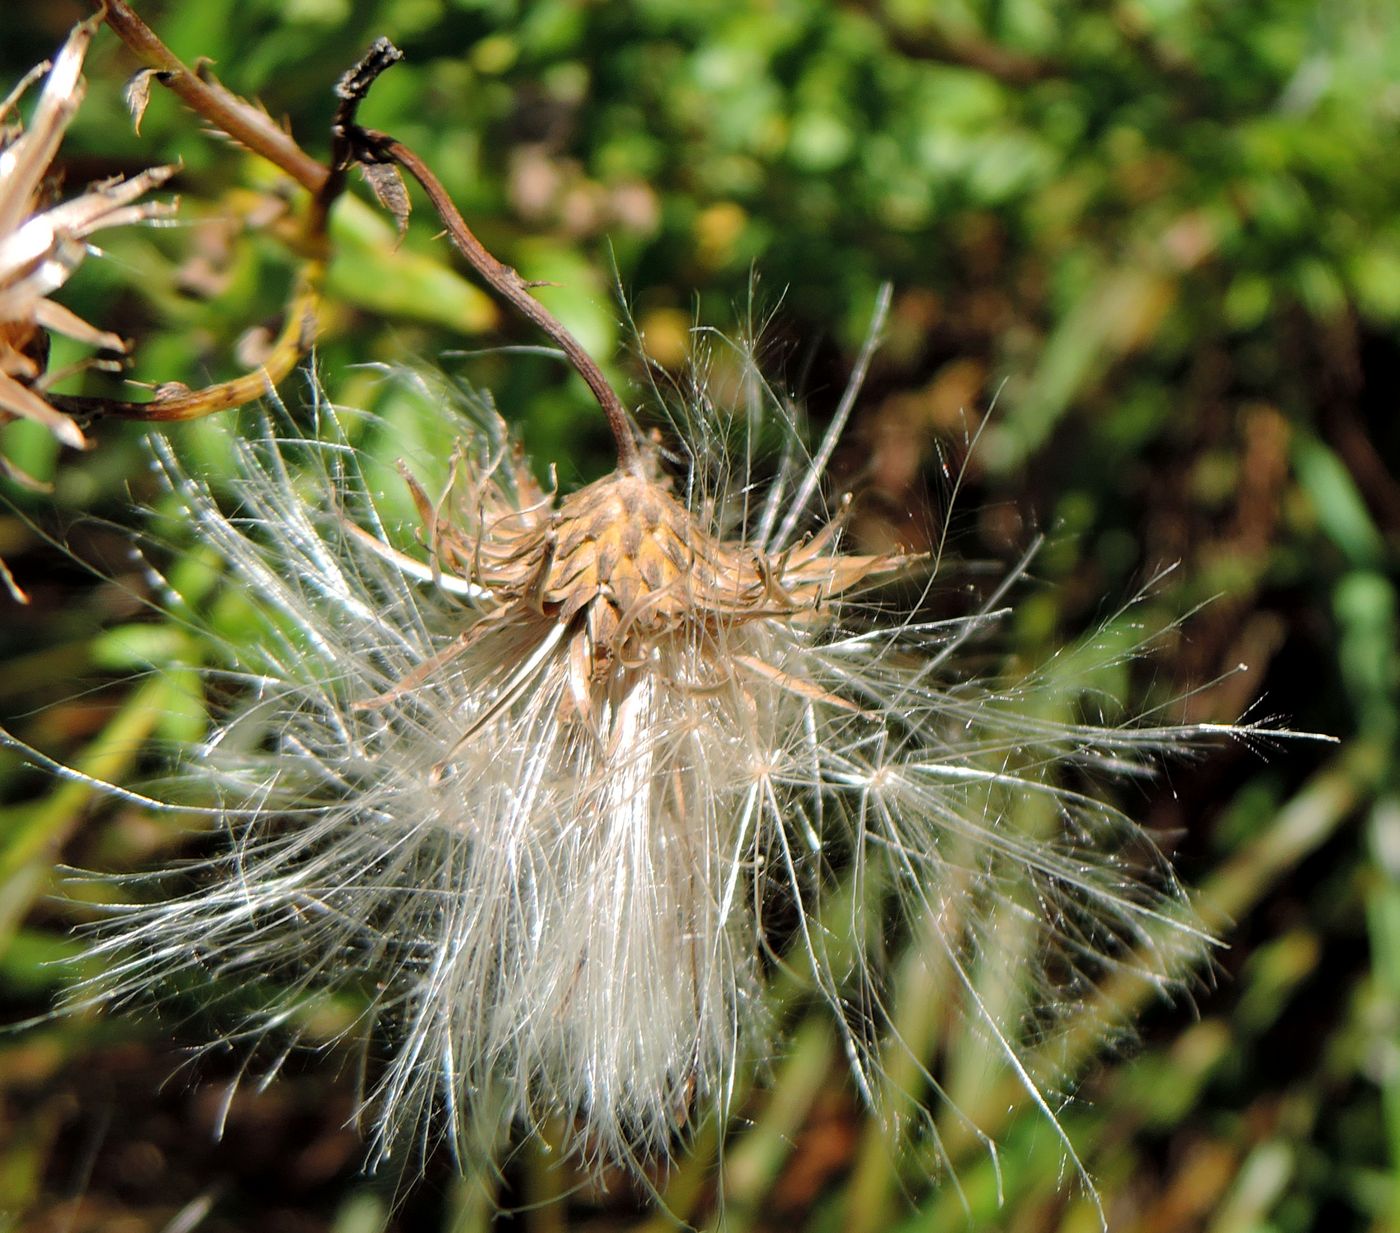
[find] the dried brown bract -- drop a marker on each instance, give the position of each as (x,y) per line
(42,242)
(624,566)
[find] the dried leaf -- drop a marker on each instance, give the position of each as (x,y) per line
(387,183)
(137,95)
(168,391)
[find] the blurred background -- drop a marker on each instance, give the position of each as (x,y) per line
(1153,244)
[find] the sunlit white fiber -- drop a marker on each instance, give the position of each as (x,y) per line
(546,783)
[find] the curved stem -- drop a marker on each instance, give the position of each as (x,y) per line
(507,282)
(252,128)
(177,402)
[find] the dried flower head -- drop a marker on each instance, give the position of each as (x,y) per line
(548,792)
(41,243)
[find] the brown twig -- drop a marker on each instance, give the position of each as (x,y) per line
(351,144)
(967,50)
(202,93)
(178,402)
(510,286)
(252,128)
(351,89)
(362,145)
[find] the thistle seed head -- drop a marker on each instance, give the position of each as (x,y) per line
(624,566)
(547,791)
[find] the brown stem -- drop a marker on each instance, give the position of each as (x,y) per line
(177,402)
(354,144)
(515,290)
(222,108)
(253,129)
(1002,63)
(351,89)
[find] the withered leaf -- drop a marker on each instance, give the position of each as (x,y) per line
(387,183)
(168,391)
(137,94)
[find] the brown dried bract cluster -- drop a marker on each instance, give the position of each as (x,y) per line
(624,565)
(40,247)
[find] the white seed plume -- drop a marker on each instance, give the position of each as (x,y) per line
(41,244)
(548,790)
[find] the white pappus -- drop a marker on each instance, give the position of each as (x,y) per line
(553,783)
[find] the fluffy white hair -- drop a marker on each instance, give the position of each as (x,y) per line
(552,841)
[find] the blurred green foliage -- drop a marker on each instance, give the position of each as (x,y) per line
(1161,236)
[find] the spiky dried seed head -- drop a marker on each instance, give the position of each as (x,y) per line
(630,562)
(41,244)
(553,836)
